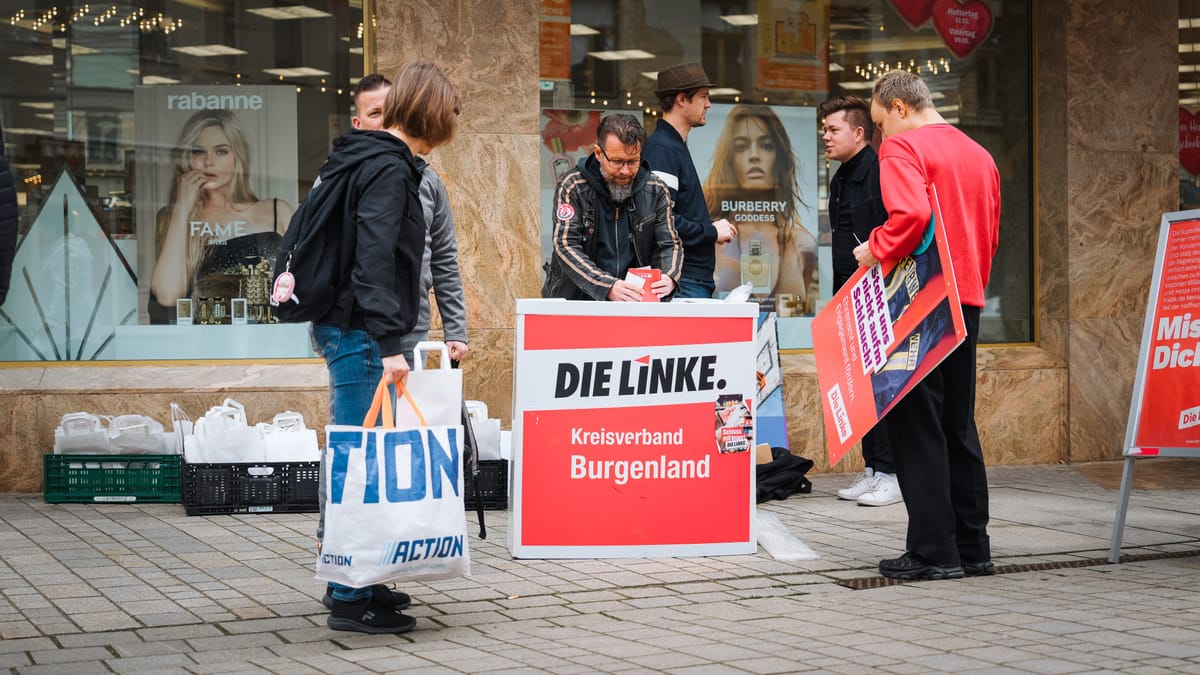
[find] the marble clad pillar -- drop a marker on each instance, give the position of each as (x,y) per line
(490,51)
(1122,174)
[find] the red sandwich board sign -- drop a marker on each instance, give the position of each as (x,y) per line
(882,333)
(633,429)
(1164,413)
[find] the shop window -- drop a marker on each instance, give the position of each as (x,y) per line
(159,149)
(1189,105)
(787,56)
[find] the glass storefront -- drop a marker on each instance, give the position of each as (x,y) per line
(159,149)
(778,59)
(1189,105)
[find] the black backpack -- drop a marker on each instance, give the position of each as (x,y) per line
(312,250)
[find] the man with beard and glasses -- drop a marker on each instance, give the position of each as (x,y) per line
(611,214)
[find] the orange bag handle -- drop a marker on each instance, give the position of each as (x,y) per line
(383,402)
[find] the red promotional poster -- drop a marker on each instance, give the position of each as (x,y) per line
(1165,411)
(634,429)
(884,331)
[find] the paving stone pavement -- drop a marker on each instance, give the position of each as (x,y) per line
(144,588)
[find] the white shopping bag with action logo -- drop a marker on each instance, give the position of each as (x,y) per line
(393,500)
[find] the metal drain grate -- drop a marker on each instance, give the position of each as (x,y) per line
(880,582)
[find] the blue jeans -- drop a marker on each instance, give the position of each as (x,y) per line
(355,367)
(695,288)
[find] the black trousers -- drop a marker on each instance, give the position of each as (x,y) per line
(939,460)
(876,446)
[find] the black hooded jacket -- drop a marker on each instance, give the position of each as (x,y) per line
(381,291)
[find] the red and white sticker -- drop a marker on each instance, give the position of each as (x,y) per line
(566,212)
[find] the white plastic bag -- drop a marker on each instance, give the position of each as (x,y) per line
(286,439)
(80,433)
(777,540)
(438,392)
(487,430)
(222,436)
(134,435)
(382,522)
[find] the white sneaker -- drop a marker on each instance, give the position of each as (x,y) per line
(859,487)
(884,490)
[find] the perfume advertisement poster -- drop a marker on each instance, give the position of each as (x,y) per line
(758,167)
(554,38)
(793,45)
(863,371)
(216,186)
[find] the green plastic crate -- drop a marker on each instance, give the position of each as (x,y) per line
(111,478)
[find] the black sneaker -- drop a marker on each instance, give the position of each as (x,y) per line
(909,567)
(382,593)
(368,616)
(979,569)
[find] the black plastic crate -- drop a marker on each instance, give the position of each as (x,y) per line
(266,487)
(110,478)
(493,485)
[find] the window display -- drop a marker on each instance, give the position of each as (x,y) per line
(160,151)
(772,62)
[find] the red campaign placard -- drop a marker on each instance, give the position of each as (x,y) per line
(1168,405)
(927,323)
(630,477)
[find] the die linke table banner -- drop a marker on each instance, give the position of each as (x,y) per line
(634,429)
(1165,409)
(882,333)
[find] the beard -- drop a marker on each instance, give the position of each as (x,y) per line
(619,193)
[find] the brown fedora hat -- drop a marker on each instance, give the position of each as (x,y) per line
(681,78)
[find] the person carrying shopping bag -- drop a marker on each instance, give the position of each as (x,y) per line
(378,297)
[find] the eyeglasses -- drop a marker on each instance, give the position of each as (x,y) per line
(621,163)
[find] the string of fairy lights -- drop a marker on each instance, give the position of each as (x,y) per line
(872,71)
(113,15)
(56,19)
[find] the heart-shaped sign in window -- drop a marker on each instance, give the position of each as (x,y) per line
(963,25)
(914,12)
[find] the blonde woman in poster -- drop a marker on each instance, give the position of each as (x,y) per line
(754,183)
(214,228)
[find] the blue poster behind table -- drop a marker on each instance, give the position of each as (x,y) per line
(882,333)
(771,419)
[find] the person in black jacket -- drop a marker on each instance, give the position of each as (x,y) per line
(683,96)
(856,208)
(8,221)
(362,336)
(611,215)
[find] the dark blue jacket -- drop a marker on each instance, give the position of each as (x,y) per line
(669,159)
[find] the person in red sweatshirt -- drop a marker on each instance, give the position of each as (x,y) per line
(939,461)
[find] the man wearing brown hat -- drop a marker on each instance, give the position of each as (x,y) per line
(683,96)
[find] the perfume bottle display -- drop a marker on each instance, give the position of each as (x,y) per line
(756,267)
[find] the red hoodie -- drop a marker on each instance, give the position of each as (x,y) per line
(968,187)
